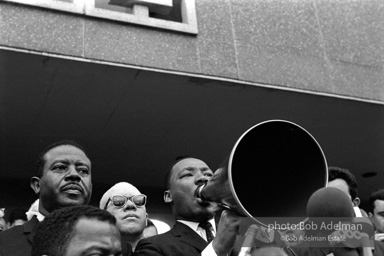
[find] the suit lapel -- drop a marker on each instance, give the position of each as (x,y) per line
(30,228)
(188,236)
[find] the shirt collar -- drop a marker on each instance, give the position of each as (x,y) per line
(194,225)
(31,213)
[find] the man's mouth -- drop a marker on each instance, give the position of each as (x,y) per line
(202,202)
(199,199)
(130,216)
(72,189)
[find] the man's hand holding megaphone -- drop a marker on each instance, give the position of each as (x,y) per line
(227,231)
(229,223)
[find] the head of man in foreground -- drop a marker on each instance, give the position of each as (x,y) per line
(77,231)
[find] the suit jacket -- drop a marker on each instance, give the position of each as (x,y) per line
(180,240)
(126,248)
(17,241)
(379,248)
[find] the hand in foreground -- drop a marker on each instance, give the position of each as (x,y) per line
(226,234)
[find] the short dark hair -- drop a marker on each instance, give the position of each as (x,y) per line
(347,176)
(17,214)
(41,158)
(376,195)
(168,174)
(54,233)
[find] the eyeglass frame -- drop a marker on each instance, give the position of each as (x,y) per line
(126,200)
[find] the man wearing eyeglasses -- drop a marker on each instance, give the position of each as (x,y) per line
(191,235)
(63,178)
(127,204)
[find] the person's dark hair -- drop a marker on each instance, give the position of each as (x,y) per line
(169,172)
(54,233)
(347,176)
(376,195)
(17,214)
(41,159)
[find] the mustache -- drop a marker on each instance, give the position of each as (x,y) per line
(72,185)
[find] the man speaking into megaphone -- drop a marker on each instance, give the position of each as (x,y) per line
(195,231)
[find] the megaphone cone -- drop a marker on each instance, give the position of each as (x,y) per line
(272,170)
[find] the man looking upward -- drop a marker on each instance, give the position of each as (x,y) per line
(127,204)
(188,237)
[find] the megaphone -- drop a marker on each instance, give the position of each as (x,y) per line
(273,169)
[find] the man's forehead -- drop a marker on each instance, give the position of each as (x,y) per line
(340,184)
(185,164)
(379,205)
(90,226)
(66,151)
(189,163)
(125,190)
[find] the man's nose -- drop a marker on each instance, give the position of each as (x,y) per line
(202,179)
(72,174)
(129,205)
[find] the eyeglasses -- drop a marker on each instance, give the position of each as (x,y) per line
(120,200)
(2,212)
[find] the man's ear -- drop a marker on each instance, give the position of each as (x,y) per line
(167,197)
(370,215)
(35,184)
(356,202)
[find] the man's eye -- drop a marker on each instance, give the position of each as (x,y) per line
(208,174)
(186,175)
(60,167)
(83,171)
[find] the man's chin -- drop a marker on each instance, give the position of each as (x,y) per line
(209,209)
(73,201)
(130,230)
(210,206)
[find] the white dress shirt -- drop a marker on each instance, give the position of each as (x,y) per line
(208,251)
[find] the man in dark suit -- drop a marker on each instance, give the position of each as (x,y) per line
(188,236)
(376,214)
(63,178)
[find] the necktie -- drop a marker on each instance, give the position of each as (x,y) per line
(208,230)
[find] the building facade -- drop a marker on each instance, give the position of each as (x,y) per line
(141,82)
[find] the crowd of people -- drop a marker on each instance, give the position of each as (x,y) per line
(61,223)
